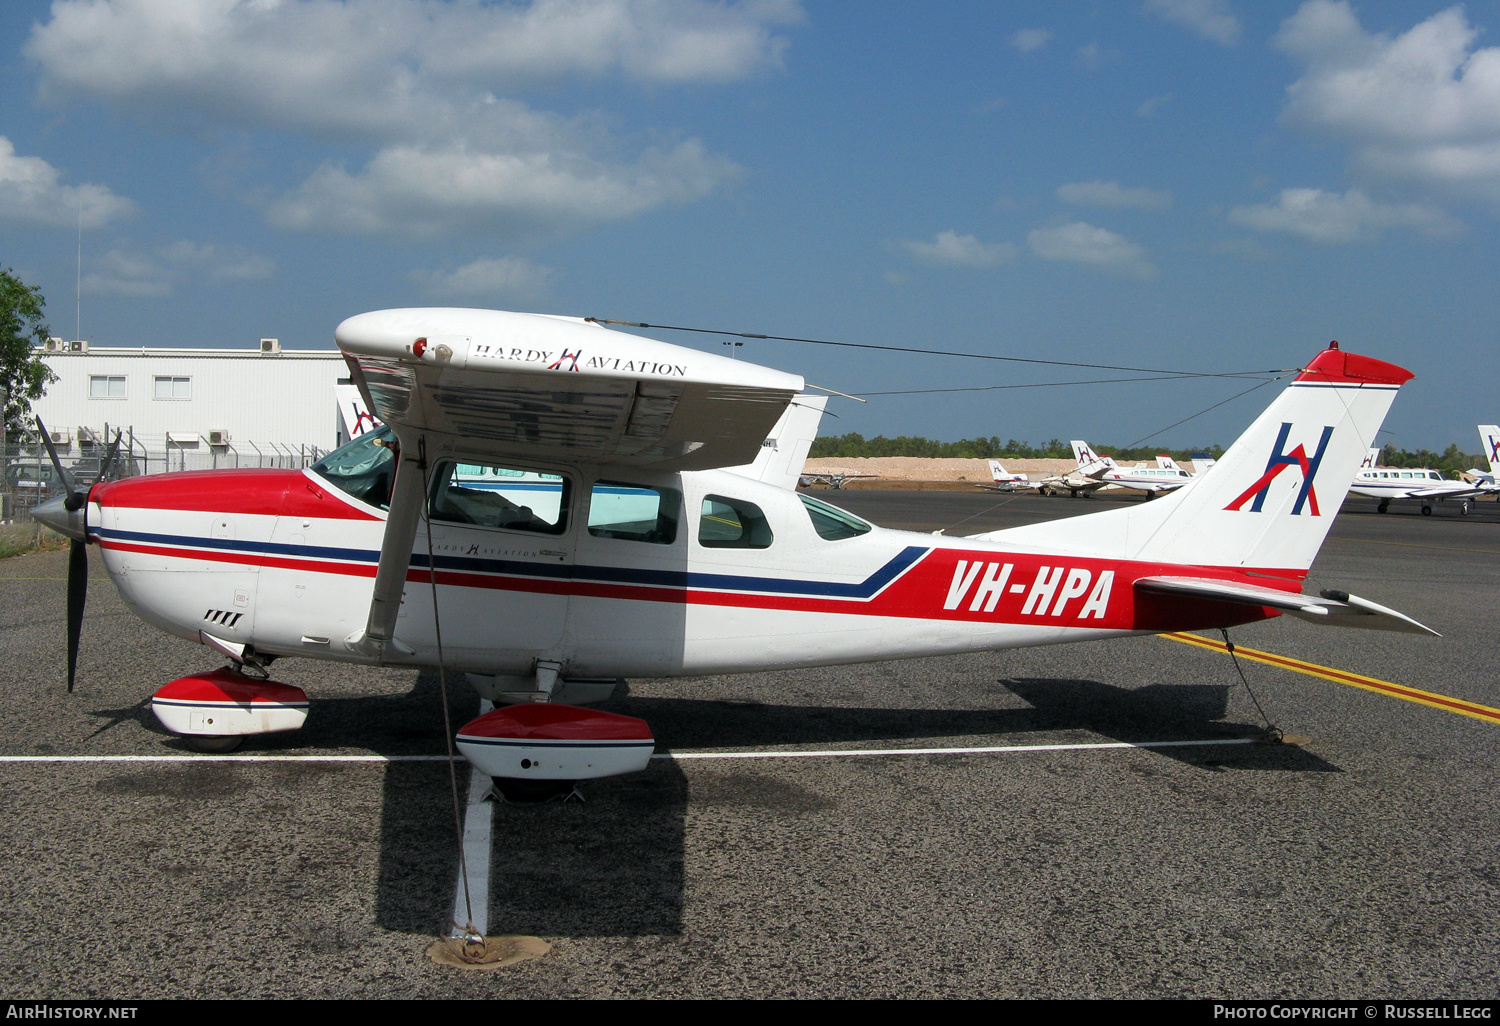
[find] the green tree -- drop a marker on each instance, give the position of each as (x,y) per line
(23,376)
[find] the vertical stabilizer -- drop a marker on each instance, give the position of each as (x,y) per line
(1489,445)
(1271,498)
(1371,460)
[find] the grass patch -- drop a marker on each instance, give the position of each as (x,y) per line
(28,536)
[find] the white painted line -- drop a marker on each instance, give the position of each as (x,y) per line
(988,750)
(827,753)
(223,758)
(478,818)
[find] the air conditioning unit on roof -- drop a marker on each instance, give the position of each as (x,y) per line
(55,345)
(270,346)
(78,345)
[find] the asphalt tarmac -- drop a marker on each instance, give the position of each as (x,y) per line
(1361,862)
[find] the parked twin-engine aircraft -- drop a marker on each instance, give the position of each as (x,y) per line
(1420,483)
(624,545)
(1166,476)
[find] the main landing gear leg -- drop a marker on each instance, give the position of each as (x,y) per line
(1385,504)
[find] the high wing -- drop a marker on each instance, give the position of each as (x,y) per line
(1334,608)
(540,387)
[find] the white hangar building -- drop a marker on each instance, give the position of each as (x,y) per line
(239,404)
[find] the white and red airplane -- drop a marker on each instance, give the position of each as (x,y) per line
(635,550)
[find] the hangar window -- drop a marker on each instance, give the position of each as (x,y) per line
(732,524)
(634,512)
(174,388)
(491,496)
(832,523)
(106,386)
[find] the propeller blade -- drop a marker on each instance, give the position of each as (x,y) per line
(109,460)
(75,499)
(78,586)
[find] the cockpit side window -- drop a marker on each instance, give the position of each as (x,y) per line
(727,523)
(364,467)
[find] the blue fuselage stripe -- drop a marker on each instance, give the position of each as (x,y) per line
(679,579)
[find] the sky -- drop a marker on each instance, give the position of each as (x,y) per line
(1204,186)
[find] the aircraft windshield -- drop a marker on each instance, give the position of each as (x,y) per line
(364,467)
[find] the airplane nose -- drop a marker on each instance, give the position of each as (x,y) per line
(56,515)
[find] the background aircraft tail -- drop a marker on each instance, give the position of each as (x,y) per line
(1272,497)
(1202,463)
(1489,445)
(1166,462)
(1372,459)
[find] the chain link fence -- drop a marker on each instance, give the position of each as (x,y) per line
(27,477)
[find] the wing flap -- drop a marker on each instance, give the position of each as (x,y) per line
(1331,608)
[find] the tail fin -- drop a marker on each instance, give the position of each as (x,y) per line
(1166,462)
(1489,439)
(1202,463)
(1082,453)
(785,449)
(1372,459)
(1003,476)
(1271,499)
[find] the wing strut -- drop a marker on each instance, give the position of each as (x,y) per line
(408,494)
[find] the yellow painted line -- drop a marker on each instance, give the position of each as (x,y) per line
(1359,680)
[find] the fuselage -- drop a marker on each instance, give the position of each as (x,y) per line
(1394,483)
(638,574)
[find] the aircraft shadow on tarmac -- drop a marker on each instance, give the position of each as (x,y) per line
(613,865)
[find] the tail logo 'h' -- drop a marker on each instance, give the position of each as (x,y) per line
(1280,461)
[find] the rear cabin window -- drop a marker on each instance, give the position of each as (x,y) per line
(732,524)
(493,496)
(832,523)
(634,512)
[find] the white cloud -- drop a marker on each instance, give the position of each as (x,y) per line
(950,249)
(1113,195)
(1091,56)
(412,78)
(154,275)
(433,192)
(1423,106)
(1330,218)
(487,276)
(1082,243)
(1210,19)
(133,275)
(29,192)
(1149,107)
(1028,40)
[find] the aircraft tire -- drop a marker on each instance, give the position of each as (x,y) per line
(1463,508)
(1385,504)
(1427,511)
(213,745)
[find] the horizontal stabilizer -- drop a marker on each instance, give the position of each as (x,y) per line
(1332,608)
